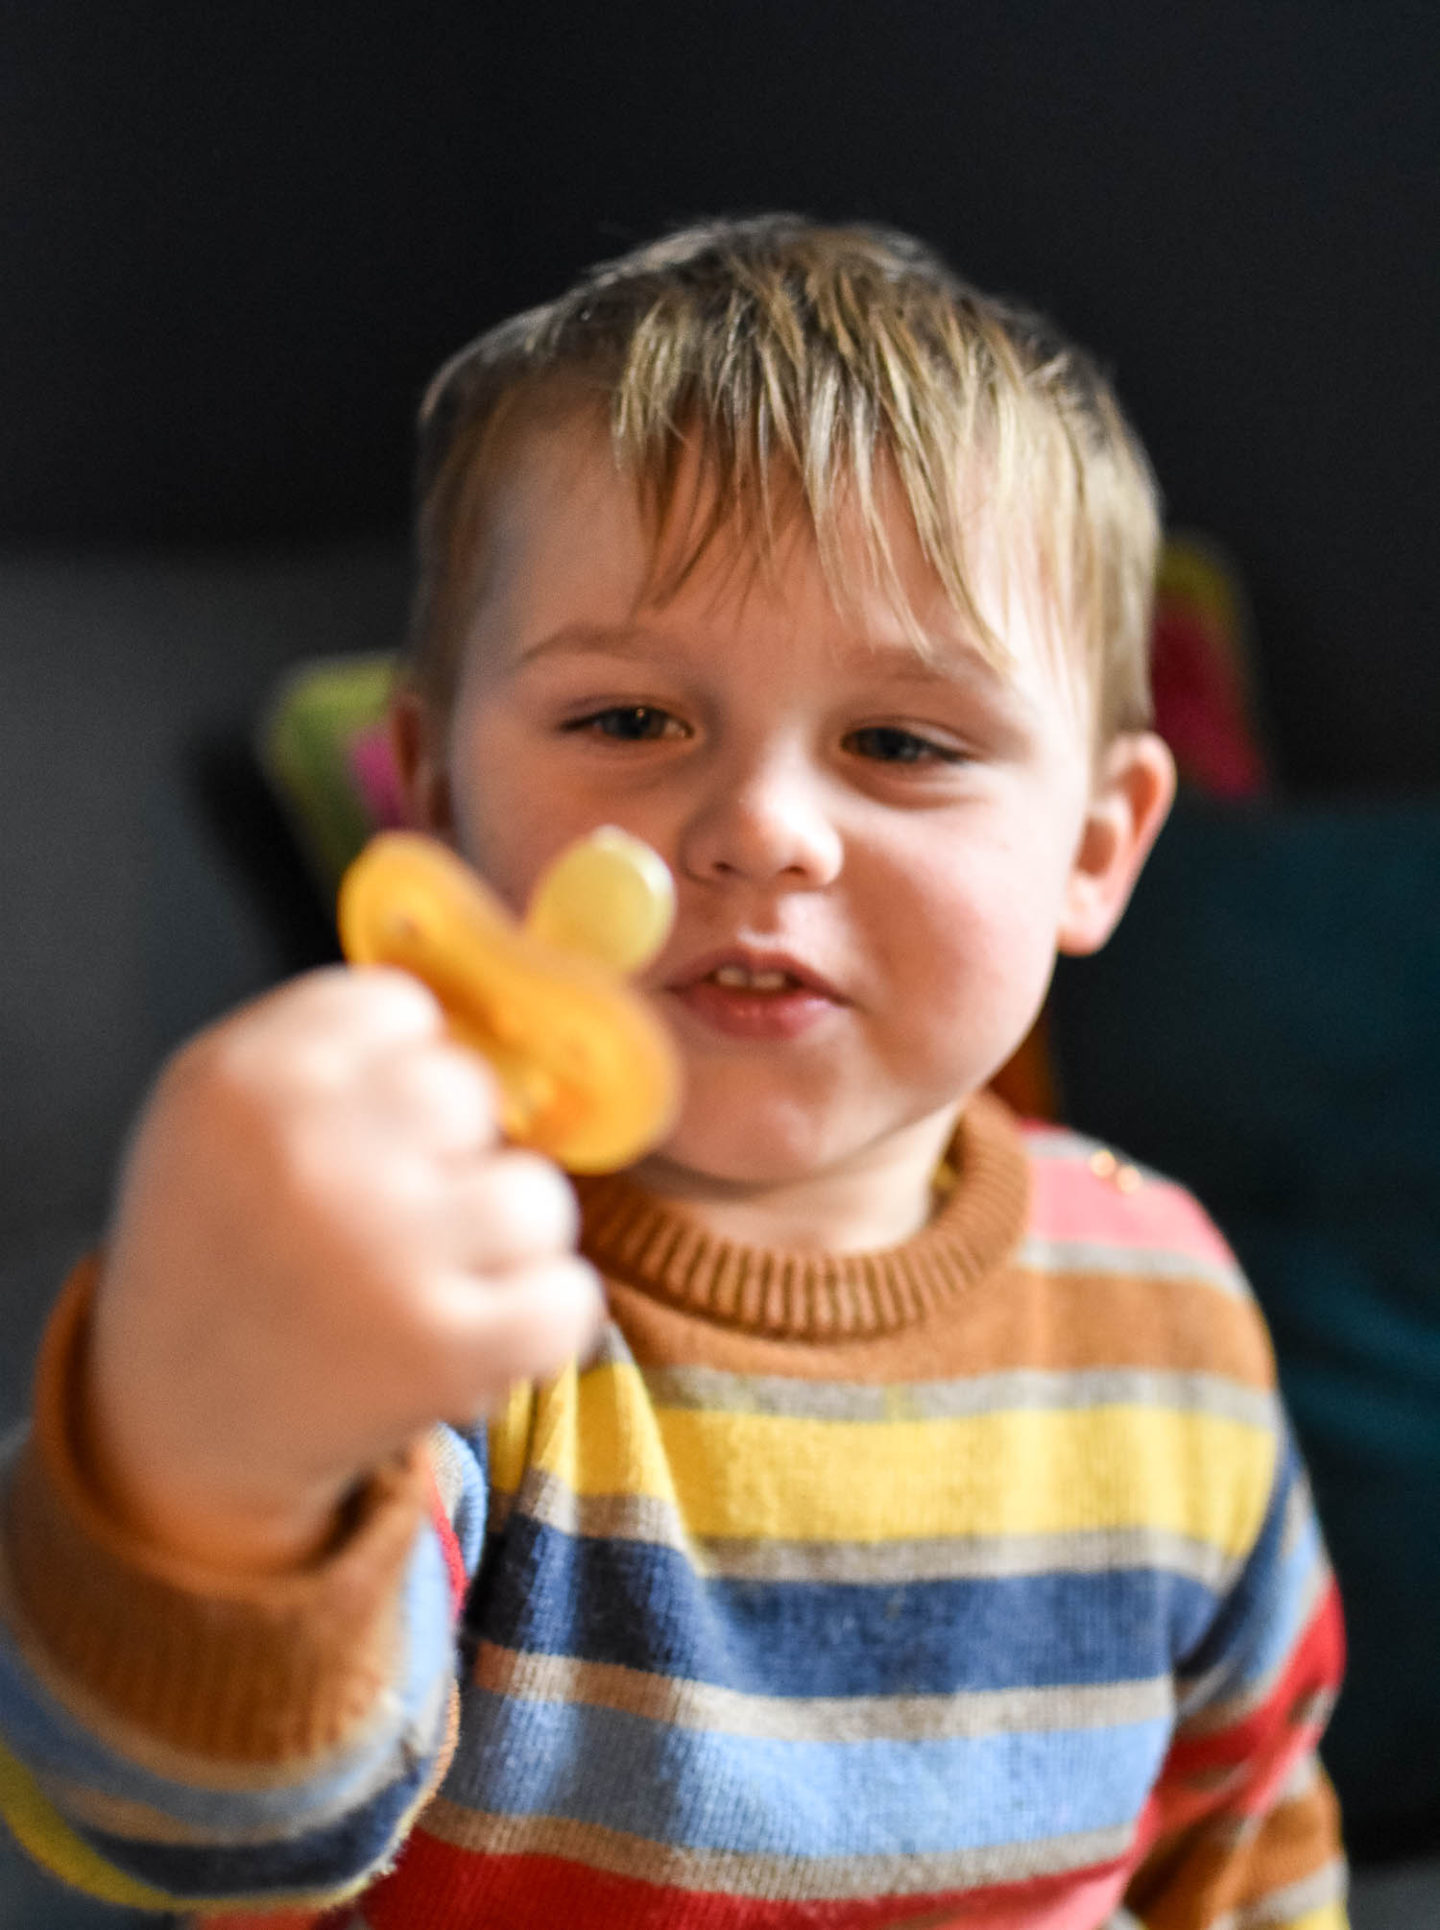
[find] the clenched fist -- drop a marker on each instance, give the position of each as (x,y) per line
(319,1248)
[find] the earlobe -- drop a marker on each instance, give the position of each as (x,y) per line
(1133,791)
(419,765)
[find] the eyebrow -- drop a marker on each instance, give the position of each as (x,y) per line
(584,639)
(966,666)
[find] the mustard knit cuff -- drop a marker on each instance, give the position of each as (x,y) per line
(238,1669)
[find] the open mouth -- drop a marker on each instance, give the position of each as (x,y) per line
(770,1000)
(736,978)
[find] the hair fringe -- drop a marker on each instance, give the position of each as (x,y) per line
(798,361)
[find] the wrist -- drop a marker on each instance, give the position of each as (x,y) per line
(239,1666)
(228,1537)
(165,1497)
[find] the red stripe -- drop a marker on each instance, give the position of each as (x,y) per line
(1317,1663)
(436,1883)
(449,1546)
(1259,1752)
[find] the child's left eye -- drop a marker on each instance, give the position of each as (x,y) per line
(889,744)
(629,723)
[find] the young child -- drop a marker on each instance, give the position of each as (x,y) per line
(890,1519)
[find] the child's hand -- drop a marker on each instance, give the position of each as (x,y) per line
(319,1249)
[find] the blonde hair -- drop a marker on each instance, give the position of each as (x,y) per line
(802,362)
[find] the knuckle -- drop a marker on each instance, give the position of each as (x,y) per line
(530,1334)
(446,1080)
(393,1000)
(219,1072)
(534,1198)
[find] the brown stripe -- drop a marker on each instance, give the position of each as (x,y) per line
(1230,1881)
(1294,1901)
(1014,1320)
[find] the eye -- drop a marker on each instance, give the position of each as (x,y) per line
(889,744)
(629,723)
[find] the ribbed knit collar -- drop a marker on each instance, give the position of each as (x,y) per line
(808,1294)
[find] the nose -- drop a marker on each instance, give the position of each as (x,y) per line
(765,824)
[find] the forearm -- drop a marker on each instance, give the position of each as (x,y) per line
(176,1735)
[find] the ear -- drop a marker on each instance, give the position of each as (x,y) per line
(418,745)
(1133,789)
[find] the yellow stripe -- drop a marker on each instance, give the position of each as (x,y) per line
(1025,1471)
(40,1829)
(509,1435)
(1330,1916)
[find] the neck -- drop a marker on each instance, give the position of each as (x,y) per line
(876,1199)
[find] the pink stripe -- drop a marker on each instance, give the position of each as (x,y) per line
(1069,1201)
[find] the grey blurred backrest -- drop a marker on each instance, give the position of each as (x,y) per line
(145,883)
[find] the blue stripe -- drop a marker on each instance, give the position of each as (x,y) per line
(705,1790)
(44,1734)
(324,1860)
(1261,1620)
(645,1607)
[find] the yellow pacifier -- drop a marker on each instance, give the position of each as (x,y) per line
(587,1072)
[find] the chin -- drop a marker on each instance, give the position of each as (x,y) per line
(764,1153)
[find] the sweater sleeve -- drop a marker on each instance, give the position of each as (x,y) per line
(1242,1829)
(173,1738)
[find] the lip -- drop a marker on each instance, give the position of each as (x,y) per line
(757,1017)
(756,958)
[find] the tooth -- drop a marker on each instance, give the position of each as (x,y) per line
(738,978)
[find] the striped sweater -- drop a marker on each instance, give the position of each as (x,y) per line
(975,1582)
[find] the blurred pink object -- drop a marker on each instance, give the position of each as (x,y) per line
(372,765)
(1201,675)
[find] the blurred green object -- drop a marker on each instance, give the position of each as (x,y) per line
(307,747)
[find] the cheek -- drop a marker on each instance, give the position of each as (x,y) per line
(498,826)
(509,822)
(980,936)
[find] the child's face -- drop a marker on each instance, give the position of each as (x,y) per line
(875,860)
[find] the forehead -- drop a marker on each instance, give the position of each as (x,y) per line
(571,546)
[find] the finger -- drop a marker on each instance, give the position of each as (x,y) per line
(373,1006)
(440,1096)
(512,1210)
(492,1338)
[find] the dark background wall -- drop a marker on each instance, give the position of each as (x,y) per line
(235,239)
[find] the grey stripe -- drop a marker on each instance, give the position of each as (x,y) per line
(1299,1514)
(1086,1552)
(1285,1906)
(788,1878)
(611,1349)
(1017,1390)
(684,1704)
(274,1813)
(1041,1255)
(644,1518)
(1058,1144)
